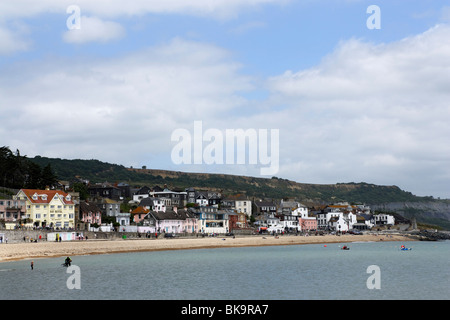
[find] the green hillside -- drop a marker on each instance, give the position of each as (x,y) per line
(277,188)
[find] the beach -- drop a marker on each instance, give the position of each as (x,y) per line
(27,250)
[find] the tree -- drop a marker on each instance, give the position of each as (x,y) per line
(82,189)
(12,168)
(49,179)
(34,176)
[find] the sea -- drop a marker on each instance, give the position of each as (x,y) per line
(368,271)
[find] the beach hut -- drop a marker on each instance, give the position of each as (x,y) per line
(64,236)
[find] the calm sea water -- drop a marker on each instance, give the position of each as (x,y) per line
(257,273)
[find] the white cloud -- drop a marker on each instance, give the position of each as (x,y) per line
(222,9)
(12,40)
(376,112)
(117,110)
(93,29)
(97,16)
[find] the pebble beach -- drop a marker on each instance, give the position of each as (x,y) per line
(44,249)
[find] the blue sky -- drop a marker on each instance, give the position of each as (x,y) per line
(351,104)
(267,39)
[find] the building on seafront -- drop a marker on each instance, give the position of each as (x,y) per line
(48,208)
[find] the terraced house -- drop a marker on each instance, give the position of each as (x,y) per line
(48,208)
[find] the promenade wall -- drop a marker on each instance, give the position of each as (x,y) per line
(28,235)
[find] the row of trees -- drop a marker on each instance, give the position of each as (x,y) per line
(17,172)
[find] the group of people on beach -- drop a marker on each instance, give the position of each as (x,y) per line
(67,263)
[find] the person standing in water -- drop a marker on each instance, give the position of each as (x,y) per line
(32,265)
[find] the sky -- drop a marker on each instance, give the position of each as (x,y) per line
(335,91)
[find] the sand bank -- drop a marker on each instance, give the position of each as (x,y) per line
(18,251)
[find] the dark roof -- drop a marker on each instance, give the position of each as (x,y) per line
(181,214)
(147,202)
(265,204)
(143,190)
(88,207)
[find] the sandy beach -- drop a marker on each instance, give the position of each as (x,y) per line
(18,251)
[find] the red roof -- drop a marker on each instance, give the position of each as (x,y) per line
(49,193)
(140,210)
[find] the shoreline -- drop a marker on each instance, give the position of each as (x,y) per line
(25,251)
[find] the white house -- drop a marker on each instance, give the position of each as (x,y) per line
(270,223)
(290,223)
(336,219)
(384,218)
(155,204)
(238,203)
(123,218)
(202,199)
(177,199)
(274,224)
(138,197)
(244,206)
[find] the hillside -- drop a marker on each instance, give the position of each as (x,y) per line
(97,171)
(389,198)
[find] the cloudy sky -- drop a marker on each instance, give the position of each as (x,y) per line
(113,80)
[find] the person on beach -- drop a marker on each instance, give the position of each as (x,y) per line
(67,261)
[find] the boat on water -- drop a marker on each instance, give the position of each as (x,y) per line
(345,248)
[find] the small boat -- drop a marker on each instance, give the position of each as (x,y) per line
(403,248)
(345,248)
